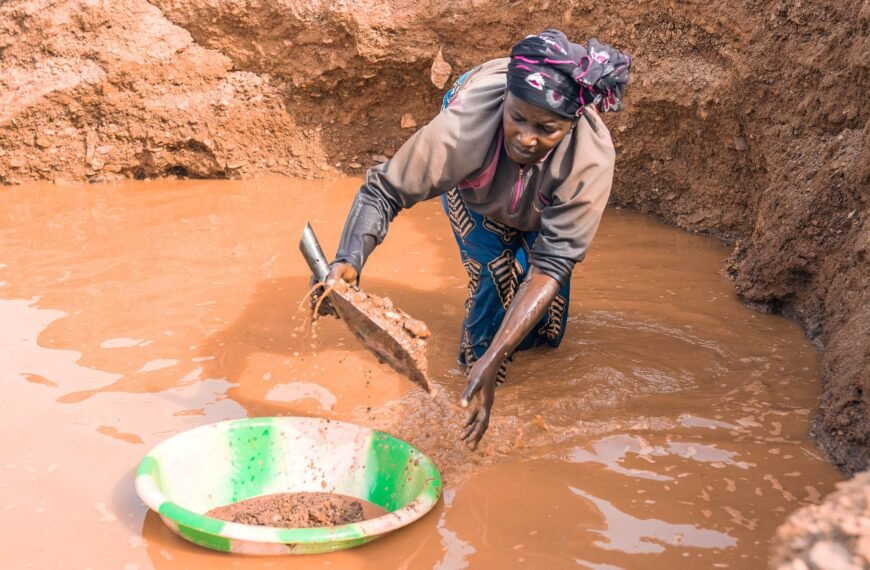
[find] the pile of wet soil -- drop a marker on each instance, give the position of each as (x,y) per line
(292,510)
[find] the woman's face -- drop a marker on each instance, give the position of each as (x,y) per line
(530,132)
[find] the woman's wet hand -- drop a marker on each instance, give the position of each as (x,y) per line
(342,271)
(481,389)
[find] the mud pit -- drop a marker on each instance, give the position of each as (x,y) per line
(669,430)
(747,120)
(293,510)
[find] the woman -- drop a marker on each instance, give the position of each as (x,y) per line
(524,167)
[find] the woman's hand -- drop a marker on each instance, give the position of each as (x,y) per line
(340,270)
(481,383)
(343,271)
(531,301)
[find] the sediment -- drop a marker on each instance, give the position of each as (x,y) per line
(292,510)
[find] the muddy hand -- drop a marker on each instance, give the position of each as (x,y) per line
(481,389)
(343,271)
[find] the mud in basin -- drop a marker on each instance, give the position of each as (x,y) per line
(298,510)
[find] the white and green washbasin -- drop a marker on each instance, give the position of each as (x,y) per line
(218,464)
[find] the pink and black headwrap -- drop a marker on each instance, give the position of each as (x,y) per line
(550,71)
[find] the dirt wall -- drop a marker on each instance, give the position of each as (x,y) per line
(747,120)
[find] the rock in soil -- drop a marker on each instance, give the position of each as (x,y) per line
(830,536)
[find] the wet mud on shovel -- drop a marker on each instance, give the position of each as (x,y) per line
(405,352)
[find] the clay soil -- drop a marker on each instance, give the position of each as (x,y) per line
(292,510)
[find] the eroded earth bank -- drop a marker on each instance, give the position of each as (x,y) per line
(747,120)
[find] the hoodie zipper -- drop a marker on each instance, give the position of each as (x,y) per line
(517,191)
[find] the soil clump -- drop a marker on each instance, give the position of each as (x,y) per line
(292,510)
(833,534)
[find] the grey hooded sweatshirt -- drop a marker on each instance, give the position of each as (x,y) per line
(563,196)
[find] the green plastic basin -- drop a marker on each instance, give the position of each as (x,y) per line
(217,464)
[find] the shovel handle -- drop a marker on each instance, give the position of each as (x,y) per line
(313,254)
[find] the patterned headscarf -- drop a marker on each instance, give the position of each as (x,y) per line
(550,71)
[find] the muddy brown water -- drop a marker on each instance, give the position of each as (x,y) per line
(670,428)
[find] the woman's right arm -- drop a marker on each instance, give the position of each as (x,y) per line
(435,159)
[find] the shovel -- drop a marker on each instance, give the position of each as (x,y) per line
(379,340)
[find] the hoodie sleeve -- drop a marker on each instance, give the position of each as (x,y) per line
(570,222)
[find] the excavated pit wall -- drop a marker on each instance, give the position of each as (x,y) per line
(747,120)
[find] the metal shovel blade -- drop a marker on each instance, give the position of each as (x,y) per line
(375,338)
(378,340)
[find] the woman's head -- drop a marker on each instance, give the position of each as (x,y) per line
(551,80)
(531,131)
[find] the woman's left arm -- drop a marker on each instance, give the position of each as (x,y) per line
(531,301)
(568,225)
